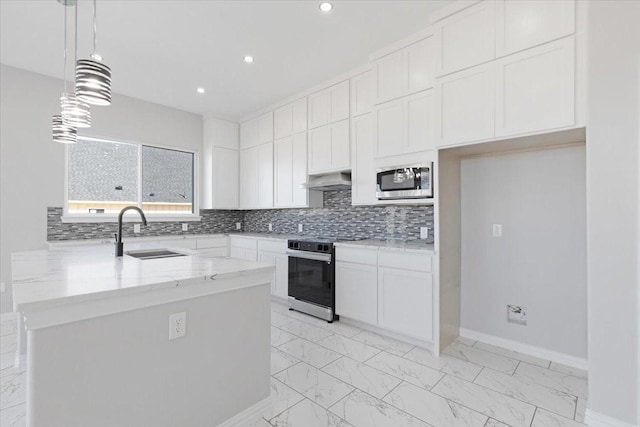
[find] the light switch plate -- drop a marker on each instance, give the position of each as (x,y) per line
(424,232)
(238,226)
(270,227)
(299,228)
(136,228)
(185,226)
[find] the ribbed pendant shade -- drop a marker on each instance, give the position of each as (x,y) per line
(75,112)
(62,132)
(93,82)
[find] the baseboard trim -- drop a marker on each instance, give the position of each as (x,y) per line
(531,350)
(249,415)
(390,334)
(595,419)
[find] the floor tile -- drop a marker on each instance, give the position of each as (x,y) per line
(465,341)
(282,398)
(259,422)
(13,387)
(363,410)
(380,342)
(490,403)
(8,324)
(281,360)
(411,372)
(309,352)
(513,354)
(538,395)
(362,376)
(15,416)
(305,330)
(7,360)
(9,343)
(481,357)
(559,367)
(547,419)
(495,423)
(433,409)
(308,414)
(567,383)
(580,410)
(314,384)
(447,364)
(279,337)
(279,319)
(279,307)
(349,347)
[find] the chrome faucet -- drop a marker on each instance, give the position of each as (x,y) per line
(119,244)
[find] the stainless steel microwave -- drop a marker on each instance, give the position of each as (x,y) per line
(405,182)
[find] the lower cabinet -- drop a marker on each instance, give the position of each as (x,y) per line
(356,291)
(243,253)
(405,302)
(280,284)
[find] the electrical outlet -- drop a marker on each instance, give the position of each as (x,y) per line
(177,325)
(136,228)
(517,314)
(238,226)
(270,227)
(299,228)
(185,226)
(3,287)
(424,232)
(497,230)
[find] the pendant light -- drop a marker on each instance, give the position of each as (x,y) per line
(75,112)
(93,78)
(64,133)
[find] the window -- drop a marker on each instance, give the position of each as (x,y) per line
(105,176)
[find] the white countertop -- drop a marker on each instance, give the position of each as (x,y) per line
(55,244)
(392,245)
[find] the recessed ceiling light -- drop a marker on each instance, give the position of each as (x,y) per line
(326,7)
(200,90)
(248,59)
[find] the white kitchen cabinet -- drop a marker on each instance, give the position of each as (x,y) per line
(220,177)
(225,186)
(363,173)
(221,133)
(291,118)
(466,38)
(329,149)
(329,105)
(243,248)
(256,131)
(290,155)
(405,71)
(361,94)
(404,125)
(256,177)
(405,302)
(522,24)
(465,106)
(536,89)
(245,254)
(356,291)
(279,285)
(217,246)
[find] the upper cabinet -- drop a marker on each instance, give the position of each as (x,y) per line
(466,38)
(329,148)
(256,131)
(361,94)
(220,165)
(290,172)
(403,72)
(221,133)
(522,24)
(329,105)
(256,177)
(291,118)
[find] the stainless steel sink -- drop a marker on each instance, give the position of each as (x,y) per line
(154,253)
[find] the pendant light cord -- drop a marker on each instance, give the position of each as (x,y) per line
(75,43)
(64,75)
(95,28)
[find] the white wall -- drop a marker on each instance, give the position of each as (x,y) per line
(32,165)
(613,138)
(540,261)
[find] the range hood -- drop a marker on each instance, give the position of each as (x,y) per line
(334,181)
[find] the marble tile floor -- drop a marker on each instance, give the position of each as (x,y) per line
(339,375)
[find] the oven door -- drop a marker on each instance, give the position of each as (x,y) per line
(311,277)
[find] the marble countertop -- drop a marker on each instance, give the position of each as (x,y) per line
(82,273)
(267,235)
(54,244)
(392,245)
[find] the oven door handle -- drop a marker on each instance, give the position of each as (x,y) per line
(309,255)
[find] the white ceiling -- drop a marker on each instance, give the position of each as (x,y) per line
(160,51)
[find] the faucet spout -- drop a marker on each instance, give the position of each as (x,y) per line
(119,243)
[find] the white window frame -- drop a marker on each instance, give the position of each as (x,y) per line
(82,218)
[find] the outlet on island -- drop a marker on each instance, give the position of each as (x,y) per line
(177,325)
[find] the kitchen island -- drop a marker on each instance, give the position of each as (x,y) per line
(98,347)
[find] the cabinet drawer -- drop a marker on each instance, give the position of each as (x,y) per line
(357,255)
(275,245)
(243,242)
(212,242)
(404,260)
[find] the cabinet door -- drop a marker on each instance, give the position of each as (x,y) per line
(283,154)
(225,187)
(269,258)
(389,77)
(405,302)
(320,149)
(389,129)
(299,116)
(264,173)
(221,133)
(419,122)
(465,110)
(356,292)
(248,178)
(281,284)
(363,173)
(420,65)
(319,106)
(265,128)
(339,109)
(466,38)
(361,94)
(249,133)
(340,147)
(299,170)
(283,121)
(242,253)
(522,24)
(536,89)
